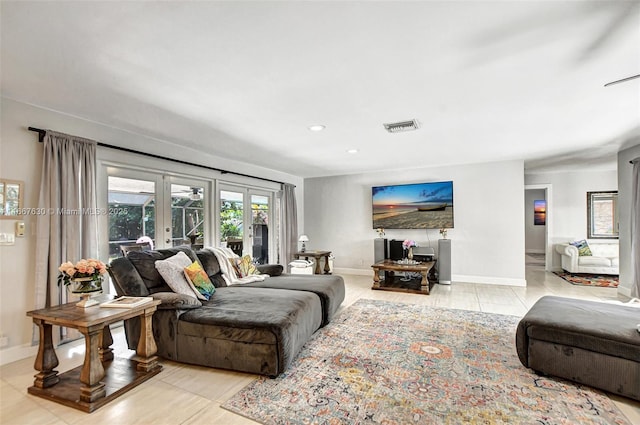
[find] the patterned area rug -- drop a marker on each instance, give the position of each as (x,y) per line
(390,363)
(589,279)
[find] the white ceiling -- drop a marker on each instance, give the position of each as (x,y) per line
(488,81)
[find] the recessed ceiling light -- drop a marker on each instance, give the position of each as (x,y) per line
(352,150)
(318,127)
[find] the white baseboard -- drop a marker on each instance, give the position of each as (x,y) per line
(489,280)
(358,272)
(622,290)
(13,354)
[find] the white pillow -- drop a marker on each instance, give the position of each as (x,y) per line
(172,271)
(301,263)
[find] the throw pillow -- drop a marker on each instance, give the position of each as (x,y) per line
(198,278)
(172,271)
(246,266)
(583,248)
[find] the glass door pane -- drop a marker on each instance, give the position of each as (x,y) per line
(232,220)
(187,215)
(132,213)
(260,228)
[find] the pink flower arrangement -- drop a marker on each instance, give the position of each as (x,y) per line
(84,268)
(408,243)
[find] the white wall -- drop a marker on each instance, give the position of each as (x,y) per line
(569,202)
(534,234)
(21,159)
(488,238)
(625,196)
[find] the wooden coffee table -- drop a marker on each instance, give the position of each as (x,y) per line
(102,377)
(391,282)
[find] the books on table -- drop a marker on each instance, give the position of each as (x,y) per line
(126,302)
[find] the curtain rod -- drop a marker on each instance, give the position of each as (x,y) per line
(42,132)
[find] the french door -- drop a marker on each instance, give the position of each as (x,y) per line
(170,211)
(164,210)
(186,220)
(244,216)
(133,201)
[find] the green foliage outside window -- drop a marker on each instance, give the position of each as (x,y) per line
(230,220)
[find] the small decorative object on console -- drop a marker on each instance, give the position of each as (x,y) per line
(83,278)
(443,233)
(408,245)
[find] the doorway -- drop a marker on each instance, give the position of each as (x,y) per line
(244,220)
(538,213)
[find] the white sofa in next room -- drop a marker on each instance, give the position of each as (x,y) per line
(604,258)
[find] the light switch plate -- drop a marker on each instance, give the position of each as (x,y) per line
(7,239)
(19,228)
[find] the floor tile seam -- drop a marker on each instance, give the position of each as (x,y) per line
(44,404)
(522,304)
(197,412)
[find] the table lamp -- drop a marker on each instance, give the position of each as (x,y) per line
(303,239)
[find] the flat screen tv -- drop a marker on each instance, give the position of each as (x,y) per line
(413,206)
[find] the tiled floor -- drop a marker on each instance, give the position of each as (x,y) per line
(183,394)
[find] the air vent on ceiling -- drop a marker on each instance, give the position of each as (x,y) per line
(397,127)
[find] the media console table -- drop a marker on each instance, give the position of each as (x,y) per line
(391,282)
(102,377)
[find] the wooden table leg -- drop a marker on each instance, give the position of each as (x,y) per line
(92,369)
(317,269)
(146,344)
(106,352)
(327,270)
(46,360)
(424,283)
(376,277)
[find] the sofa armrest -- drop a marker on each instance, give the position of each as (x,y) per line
(270,269)
(566,249)
(173,301)
(568,256)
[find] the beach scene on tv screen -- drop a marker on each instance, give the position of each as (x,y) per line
(413,206)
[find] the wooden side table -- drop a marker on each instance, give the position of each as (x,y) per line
(317,255)
(102,377)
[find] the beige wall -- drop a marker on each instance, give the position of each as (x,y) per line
(487,240)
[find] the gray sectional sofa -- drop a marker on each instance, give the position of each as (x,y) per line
(257,327)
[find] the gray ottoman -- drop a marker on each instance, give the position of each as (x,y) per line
(592,343)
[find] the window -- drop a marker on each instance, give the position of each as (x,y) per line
(602,215)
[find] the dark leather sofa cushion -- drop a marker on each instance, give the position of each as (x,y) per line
(211,267)
(144,262)
(126,278)
(270,269)
(171,300)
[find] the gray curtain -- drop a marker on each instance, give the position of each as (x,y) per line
(635,230)
(288,238)
(68,228)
